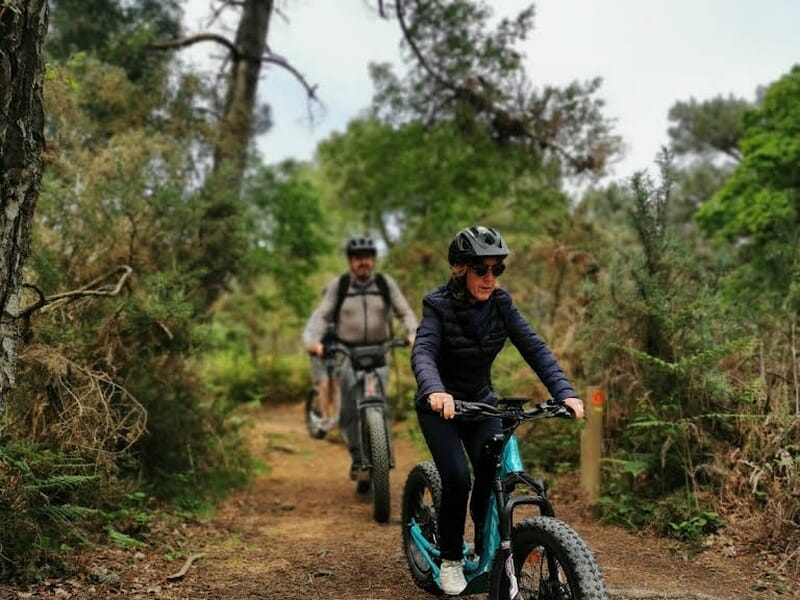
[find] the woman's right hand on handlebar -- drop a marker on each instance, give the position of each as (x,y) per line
(443,403)
(316,348)
(576,406)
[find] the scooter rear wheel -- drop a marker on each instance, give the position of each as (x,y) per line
(422,499)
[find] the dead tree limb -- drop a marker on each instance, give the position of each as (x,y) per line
(47,302)
(185,567)
(236,55)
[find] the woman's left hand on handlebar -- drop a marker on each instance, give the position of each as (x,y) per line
(442,403)
(576,405)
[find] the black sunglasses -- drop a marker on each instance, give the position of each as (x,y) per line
(481,269)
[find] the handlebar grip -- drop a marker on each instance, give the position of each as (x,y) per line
(557,408)
(464,408)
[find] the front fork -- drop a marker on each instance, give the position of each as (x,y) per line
(505,504)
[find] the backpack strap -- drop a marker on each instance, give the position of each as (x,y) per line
(341,294)
(380,281)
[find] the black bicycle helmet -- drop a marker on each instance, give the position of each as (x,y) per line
(474,243)
(361,245)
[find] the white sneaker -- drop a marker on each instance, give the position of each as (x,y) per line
(452,577)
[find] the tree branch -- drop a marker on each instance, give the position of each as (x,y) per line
(236,55)
(104,290)
(196,39)
(282,62)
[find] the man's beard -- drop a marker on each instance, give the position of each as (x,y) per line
(363,275)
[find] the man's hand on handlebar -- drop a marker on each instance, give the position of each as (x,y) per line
(442,403)
(316,348)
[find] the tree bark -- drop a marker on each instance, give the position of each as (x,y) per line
(237,124)
(221,251)
(23,25)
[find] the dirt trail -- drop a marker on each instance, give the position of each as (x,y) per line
(301,532)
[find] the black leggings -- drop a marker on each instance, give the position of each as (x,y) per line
(447,441)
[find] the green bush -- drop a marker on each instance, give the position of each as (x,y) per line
(684,517)
(46,500)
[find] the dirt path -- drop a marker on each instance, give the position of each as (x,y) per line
(301,532)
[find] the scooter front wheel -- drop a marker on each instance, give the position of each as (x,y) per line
(422,499)
(550,561)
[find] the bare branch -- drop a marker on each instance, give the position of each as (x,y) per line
(196,39)
(105,290)
(282,62)
(269,57)
(36,305)
(94,412)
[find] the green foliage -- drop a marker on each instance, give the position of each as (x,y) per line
(116,375)
(424,178)
(685,517)
(694,527)
(473,45)
(45,503)
(288,233)
(623,501)
(117,31)
(748,209)
(707,127)
(757,208)
(238,372)
(551,447)
(150,385)
(676,515)
(706,135)
(664,342)
(122,540)
(465,69)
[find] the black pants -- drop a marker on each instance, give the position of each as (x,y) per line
(448,440)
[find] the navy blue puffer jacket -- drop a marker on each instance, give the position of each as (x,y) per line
(457,342)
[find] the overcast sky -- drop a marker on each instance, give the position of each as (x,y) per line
(649,53)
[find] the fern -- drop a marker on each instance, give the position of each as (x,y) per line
(61,483)
(124,541)
(66,514)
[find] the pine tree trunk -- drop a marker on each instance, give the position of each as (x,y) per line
(221,243)
(23,25)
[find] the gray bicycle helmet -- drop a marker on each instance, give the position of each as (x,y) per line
(474,243)
(361,245)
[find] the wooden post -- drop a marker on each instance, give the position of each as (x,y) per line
(592,444)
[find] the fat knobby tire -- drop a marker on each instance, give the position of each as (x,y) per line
(569,550)
(424,477)
(379,451)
